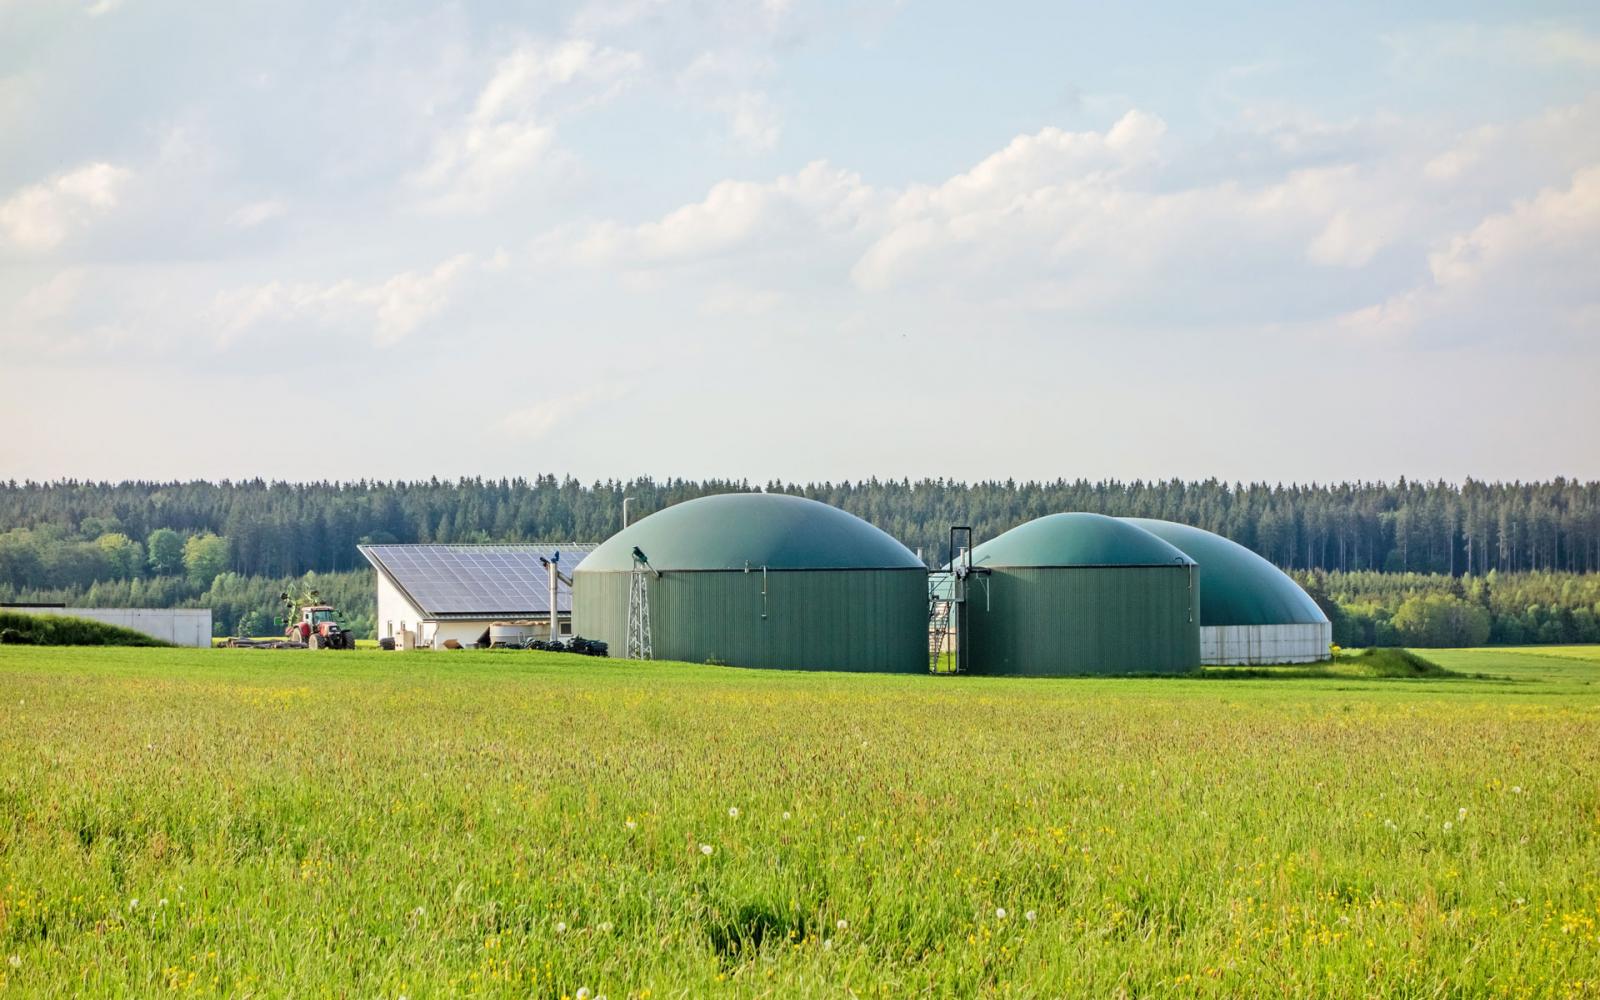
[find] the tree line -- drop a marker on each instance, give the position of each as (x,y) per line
(1389,562)
(285,529)
(1429,609)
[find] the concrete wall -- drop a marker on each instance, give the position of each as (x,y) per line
(180,626)
(1259,644)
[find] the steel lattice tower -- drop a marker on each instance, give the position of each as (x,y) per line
(639,615)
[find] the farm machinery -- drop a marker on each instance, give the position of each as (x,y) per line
(308,621)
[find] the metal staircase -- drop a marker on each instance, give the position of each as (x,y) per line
(947,590)
(941,620)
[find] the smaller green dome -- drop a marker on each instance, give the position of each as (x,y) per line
(751,530)
(1237,587)
(1077,539)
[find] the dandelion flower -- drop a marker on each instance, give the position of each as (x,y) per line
(861,839)
(631,824)
(843,925)
(604,927)
(999,913)
(786,814)
(1448,826)
(706,849)
(15,961)
(733,812)
(1031,916)
(561,926)
(1516,789)
(162,901)
(1461,814)
(583,993)
(827,944)
(133,904)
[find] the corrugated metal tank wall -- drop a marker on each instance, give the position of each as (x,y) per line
(1055,620)
(854,620)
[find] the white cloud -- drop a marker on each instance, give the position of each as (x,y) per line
(735,216)
(52,300)
(41,216)
(1525,272)
(388,311)
(736,300)
(1568,45)
(1108,224)
(1552,228)
(754,121)
(102,7)
(536,420)
(510,128)
(254,213)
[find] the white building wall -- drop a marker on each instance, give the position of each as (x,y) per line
(395,611)
(1263,644)
(179,626)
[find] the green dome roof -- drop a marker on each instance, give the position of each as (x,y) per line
(1077,540)
(736,530)
(1237,587)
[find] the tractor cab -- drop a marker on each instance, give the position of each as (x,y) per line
(317,614)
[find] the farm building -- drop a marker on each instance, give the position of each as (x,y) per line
(760,580)
(1250,610)
(441,592)
(1079,594)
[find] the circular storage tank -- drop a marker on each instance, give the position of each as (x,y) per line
(503,634)
(1080,594)
(1250,610)
(762,580)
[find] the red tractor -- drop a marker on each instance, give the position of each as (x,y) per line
(316,624)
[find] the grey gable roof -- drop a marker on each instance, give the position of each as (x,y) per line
(478,581)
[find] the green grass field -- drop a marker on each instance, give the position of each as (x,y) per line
(362,824)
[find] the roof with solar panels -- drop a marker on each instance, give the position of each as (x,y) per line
(479,581)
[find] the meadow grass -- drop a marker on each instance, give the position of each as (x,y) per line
(366,824)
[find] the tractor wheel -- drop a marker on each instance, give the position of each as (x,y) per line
(314,641)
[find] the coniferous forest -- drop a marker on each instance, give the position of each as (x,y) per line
(1521,553)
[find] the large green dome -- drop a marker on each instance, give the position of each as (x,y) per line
(1077,539)
(1237,587)
(751,530)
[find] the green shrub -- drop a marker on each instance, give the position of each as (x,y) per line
(1442,620)
(24,629)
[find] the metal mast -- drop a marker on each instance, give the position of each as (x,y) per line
(639,609)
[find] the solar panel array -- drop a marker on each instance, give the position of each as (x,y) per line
(486,580)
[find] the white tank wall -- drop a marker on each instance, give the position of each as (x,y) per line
(465,632)
(179,626)
(1262,644)
(434,633)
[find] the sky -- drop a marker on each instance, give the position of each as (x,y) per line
(799,241)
